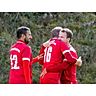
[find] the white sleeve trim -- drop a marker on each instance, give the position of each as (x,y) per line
(15,49)
(26,59)
(66,51)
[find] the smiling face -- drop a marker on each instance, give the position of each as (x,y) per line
(24,34)
(63,37)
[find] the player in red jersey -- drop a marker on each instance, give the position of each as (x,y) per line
(21,58)
(68,75)
(53,55)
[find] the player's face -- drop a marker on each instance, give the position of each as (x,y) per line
(63,36)
(28,37)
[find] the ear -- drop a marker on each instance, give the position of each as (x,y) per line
(68,39)
(23,35)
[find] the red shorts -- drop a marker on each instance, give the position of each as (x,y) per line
(50,78)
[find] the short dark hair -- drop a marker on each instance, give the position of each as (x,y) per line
(68,32)
(22,30)
(55,31)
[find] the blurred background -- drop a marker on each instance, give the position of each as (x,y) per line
(83,25)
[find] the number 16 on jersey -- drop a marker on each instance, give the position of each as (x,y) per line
(47,55)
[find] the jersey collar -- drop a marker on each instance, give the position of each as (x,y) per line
(20,41)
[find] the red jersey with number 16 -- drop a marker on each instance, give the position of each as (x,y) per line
(18,53)
(53,55)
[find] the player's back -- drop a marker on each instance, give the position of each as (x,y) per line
(53,54)
(16,69)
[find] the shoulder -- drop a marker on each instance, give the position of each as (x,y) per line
(58,41)
(72,48)
(23,47)
(27,47)
(63,43)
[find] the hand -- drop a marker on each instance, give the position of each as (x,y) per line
(79,61)
(46,44)
(40,56)
(43,73)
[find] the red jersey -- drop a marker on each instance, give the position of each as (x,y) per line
(53,55)
(19,52)
(69,75)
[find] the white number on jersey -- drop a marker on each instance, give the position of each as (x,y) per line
(14,62)
(47,55)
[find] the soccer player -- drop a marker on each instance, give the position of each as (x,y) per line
(53,55)
(21,58)
(68,75)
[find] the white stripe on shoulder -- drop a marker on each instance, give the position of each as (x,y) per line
(72,49)
(26,59)
(66,51)
(15,49)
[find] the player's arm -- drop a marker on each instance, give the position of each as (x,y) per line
(71,59)
(41,61)
(63,66)
(26,69)
(47,43)
(67,54)
(36,59)
(54,68)
(26,64)
(59,67)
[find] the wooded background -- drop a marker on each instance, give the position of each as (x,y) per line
(83,26)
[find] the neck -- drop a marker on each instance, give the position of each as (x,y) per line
(21,39)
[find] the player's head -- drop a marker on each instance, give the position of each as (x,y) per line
(55,32)
(24,33)
(66,35)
